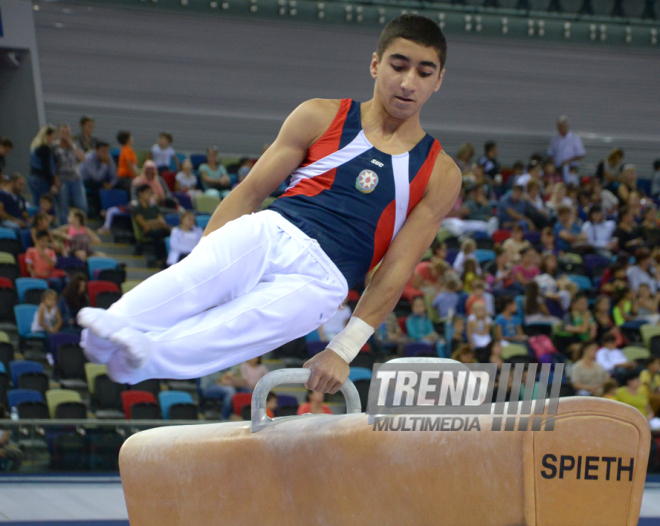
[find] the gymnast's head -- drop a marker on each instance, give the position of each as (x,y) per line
(408,65)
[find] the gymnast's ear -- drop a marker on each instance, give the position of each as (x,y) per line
(439,81)
(373,67)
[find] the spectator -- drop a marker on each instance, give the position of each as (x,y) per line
(185,180)
(604,322)
(464,355)
(74,297)
(479,326)
(390,336)
(162,153)
(513,208)
(78,238)
(6,146)
(550,176)
(525,271)
(72,190)
(643,272)
(566,150)
(548,245)
(223,385)
(628,233)
(628,183)
(476,215)
(508,325)
(98,172)
(151,222)
(214,174)
(252,371)
(426,279)
(625,305)
(610,357)
(13,210)
(599,232)
(127,169)
(464,156)
(609,168)
(649,228)
(533,173)
(555,286)
(470,274)
(457,334)
(315,404)
(516,244)
(41,222)
(338,322)
(631,394)
(41,262)
(558,199)
(244,166)
(579,324)
(47,206)
(606,199)
(567,231)
(655,179)
(534,306)
(647,305)
(587,375)
(42,176)
(499,274)
(609,389)
(489,159)
(183,238)
(85,140)
(479,294)
(47,318)
(468,247)
(160,191)
(418,325)
(271,404)
(650,380)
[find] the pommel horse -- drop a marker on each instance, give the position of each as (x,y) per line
(339,470)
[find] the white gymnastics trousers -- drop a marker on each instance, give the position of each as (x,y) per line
(247,288)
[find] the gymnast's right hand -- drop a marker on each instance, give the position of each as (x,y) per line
(329,372)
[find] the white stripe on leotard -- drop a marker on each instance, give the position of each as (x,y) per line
(400,167)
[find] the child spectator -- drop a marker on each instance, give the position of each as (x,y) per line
(609,357)
(418,326)
(567,230)
(479,326)
(127,166)
(74,297)
(464,355)
(628,231)
(41,222)
(516,243)
(508,325)
(185,180)
(587,375)
(447,300)
(555,286)
(650,379)
(470,272)
(457,333)
(579,323)
(337,323)
(47,318)
(162,153)
(625,306)
(78,238)
(215,178)
(183,238)
(252,371)
(468,247)
(631,394)
(534,306)
(151,222)
(315,404)
(548,245)
(525,271)
(599,232)
(271,404)
(41,262)
(499,274)
(390,336)
(47,206)
(604,322)
(479,294)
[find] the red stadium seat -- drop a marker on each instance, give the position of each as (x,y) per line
(128,398)
(94,287)
(239,400)
(22,265)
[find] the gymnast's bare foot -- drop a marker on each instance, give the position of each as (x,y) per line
(135,346)
(101,322)
(97,349)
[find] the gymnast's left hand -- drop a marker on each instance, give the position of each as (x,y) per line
(329,372)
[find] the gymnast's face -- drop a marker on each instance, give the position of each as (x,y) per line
(406,76)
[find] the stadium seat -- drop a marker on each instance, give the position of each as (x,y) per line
(167,244)
(6,257)
(114,275)
(92,370)
(11,272)
(113,197)
(169,177)
(18,396)
(239,400)
(95,263)
(25,235)
(60,339)
(106,397)
(648,331)
(484,256)
(196,159)
(94,287)
(11,246)
(168,398)
(24,284)
(4,387)
(287,401)
(420,349)
(451,255)
(70,365)
(202,220)
(33,297)
(6,354)
(636,353)
(70,411)
(184,412)
(8,301)
(129,398)
(206,204)
(508,351)
(359,373)
(583,282)
(172,219)
(55,397)
(145,411)
(33,410)
(6,283)
(184,200)
(22,266)
(499,236)
(150,386)
(315,347)
(19,367)
(24,316)
(35,381)
(7,233)
(129,285)
(104,300)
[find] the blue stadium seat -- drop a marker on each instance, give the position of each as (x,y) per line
(114,197)
(417,348)
(19,367)
(645,185)
(196,159)
(25,235)
(115,154)
(181,158)
(24,284)
(18,396)
(169,398)
(202,220)
(24,316)
(7,233)
(98,263)
(172,219)
(484,256)
(359,373)
(583,282)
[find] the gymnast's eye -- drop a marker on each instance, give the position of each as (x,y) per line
(424,74)
(397,68)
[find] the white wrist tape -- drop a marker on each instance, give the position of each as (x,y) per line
(349,341)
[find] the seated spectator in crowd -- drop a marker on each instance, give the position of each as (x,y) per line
(127,169)
(41,222)
(468,247)
(534,307)
(47,318)
(479,294)
(161,194)
(162,153)
(337,322)
(470,274)
(513,208)
(650,380)
(615,276)
(554,285)
(6,146)
(627,183)
(599,232)
(499,274)
(516,244)
(533,173)
(67,157)
(628,232)
(47,206)
(390,337)
(185,180)
(508,325)
(548,244)
(535,199)
(567,230)
(464,355)
(11,455)
(625,305)
(604,322)
(428,275)
(85,140)
(315,404)
(252,371)
(631,394)
(73,298)
(42,176)
(525,271)
(223,385)
(479,326)
(447,300)
(609,168)
(98,172)
(271,404)
(464,157)
(78,238)
(655,179)
(610,357)
(476,215)
(41,262)
(458,334)
(13,210)
(151,222)
(214,175)
(578,321)
(587,375)
(184,238)
(244,166)
(558,199)
(606,199)
(643,272)
(418,325)
(609,389)
(489,159)
(647,305)
(649,229)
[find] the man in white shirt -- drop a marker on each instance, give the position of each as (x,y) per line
(643,271)
(598,231)
(566,150)
(609,357)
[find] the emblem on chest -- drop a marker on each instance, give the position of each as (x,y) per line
(366,182)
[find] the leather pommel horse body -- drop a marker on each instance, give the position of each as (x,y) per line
(337,470)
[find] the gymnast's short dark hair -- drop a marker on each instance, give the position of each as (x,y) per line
(418,29)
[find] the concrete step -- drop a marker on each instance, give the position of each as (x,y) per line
(140,273)
(115,249)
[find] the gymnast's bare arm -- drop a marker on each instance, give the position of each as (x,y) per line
(306,124)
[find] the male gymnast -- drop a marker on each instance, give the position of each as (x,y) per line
(368,186)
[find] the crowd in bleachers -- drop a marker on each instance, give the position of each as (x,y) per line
(538,262)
